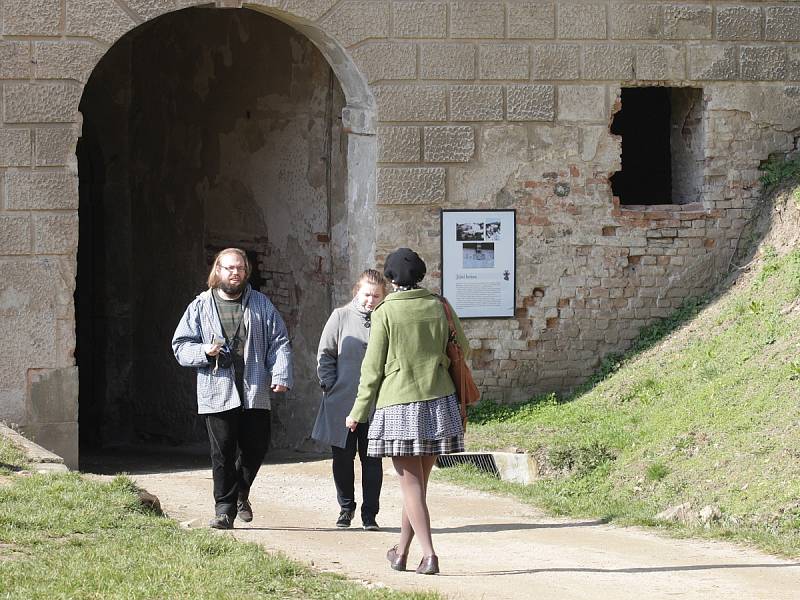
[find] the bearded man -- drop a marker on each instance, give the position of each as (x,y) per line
(237,342)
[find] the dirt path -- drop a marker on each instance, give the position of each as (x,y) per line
(488,547)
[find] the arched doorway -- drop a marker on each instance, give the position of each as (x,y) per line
(207,128)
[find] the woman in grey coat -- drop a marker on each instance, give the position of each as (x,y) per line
(341,350)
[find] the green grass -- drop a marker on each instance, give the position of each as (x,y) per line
(778,170)
(709,415)
(63,536)
(11,457)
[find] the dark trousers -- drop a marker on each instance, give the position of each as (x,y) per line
(344,474)
(239,439)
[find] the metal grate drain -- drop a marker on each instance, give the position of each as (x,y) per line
(484,462)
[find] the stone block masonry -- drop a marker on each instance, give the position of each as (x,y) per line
(450,104)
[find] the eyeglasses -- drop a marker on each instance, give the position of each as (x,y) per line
(233,269)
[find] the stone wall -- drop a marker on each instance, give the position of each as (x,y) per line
(479,105)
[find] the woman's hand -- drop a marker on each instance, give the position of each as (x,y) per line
(350,423)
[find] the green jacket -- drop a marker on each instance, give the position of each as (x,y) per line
(406,358)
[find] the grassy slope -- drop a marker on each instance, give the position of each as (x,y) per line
(710,415)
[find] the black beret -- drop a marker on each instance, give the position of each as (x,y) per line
(404,267)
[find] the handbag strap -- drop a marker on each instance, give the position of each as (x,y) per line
(452,327)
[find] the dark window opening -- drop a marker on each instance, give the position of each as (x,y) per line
(661,130)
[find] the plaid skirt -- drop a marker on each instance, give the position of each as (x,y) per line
(425,428)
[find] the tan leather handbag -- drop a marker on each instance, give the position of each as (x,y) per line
(466,390)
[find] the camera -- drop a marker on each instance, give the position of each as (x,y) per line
(225,357)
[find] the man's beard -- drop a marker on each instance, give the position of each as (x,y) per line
(232,289)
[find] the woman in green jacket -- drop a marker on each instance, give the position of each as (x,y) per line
(404,377)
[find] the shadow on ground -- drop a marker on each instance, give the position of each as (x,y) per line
(147,459)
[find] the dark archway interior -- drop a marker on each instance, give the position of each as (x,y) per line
(203,129)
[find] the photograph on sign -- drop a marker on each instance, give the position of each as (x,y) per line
(479,262)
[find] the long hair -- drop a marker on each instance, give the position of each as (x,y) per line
(370,276)
(213,276)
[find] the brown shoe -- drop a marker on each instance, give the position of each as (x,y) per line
(243,509)
(429,565)
(397,561)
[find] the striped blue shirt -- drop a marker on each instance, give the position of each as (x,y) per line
(267,353)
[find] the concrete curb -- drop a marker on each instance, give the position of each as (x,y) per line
(508,466)
(41,459)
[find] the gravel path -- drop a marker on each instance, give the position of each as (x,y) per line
(489,547)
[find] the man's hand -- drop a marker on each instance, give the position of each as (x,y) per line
(277,387)
(350,423)
(212,349)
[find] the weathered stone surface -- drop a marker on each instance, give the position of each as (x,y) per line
(101,19)
(419,19)
(31,17)
(386,60)
(55,102)
(358,120)
(713,63)
(26,310)
(55,234)
(15,60)
(41,190)
(15,147)
(309,9)
(660,62)
(61,438)
(531,20)
(66,59)
(411,102)
(470,19)
(783,23)
(150,9)
(15,234)
(764,63)
(55,146)
(354,21)
(582,21)
(555,61)
(739,23)
(411,186)
(582,103)
(530,102)
(793,63)
(41,460)
(504,61)
(48,390)
(688,22)
(449,144)
(682,513)
(636,21)
(447,61)
(398,144)
(12,391)
(476,103)
(607,61)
